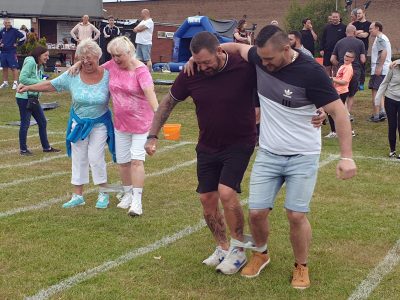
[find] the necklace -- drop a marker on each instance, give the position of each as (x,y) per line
(294,56)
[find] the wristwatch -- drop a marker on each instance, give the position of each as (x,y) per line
(152,136)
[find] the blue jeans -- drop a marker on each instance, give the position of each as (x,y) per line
(25,116)
(269,173)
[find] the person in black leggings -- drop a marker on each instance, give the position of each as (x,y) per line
(390,88)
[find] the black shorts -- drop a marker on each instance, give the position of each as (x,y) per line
(354,84)
(226,167)
(375,81)
(327,59)
(343,97)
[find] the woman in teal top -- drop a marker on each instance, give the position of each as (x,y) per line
(90,124)
(31,73)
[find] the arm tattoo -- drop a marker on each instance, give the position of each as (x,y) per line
(217,226)
(162,114)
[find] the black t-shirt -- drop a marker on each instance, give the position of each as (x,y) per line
(346,44)
(364,26)
(224,104)
(331,35)
(307,40)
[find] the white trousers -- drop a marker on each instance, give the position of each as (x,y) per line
(129,146)
(90,152)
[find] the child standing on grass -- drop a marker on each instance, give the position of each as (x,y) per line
(341,84)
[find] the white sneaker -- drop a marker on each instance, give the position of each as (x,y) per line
(233,262)
(4,85)
(119,196)
(216,258)
(331,135)
(15,85)
(136,208)
(126,200)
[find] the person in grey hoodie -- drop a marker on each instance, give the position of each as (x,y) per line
(390,88)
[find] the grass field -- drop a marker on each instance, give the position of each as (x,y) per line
(84,253)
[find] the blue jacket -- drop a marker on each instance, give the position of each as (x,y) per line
(83,128)
(9,37)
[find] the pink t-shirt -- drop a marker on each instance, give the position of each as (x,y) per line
(132,112)
(345,73)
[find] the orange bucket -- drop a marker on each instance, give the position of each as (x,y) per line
(172,131)
(320,60)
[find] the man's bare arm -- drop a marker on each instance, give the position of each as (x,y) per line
(160,117)
(241,49)
(162,114)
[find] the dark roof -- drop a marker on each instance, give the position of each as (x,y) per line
(53,8)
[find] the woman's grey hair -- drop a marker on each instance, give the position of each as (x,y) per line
(121,45)
(88,46)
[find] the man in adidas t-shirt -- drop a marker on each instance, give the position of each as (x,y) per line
(291,86)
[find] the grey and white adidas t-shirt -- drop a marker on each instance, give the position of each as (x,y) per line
(289,98)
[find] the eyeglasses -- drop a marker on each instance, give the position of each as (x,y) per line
(87,58)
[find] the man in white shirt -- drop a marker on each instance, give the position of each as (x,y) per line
(84,30)
(381,58)
(144,35)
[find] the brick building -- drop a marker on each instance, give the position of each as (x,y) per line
(261,12)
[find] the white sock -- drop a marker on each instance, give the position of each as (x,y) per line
(137,193)
(127,188)
(15,81)
(5,81)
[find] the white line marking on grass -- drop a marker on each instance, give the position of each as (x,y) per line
(55,174)
(165,241)
(329,159)
(31,179)
(34,162)
(35,135)
(386,159)
(52,201)
(15,127)
(170,147)
(390,261)
(90,273)
(11,151)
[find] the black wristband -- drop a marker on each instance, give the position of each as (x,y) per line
(152,136)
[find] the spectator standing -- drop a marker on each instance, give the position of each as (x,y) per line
(332,33)
(295,43)
(362,33)
(85,30)
(24,30)
(240,35)
(308,36)
(350,43)
(390,89)
(144,37)
(10,37)
(32,35)
(353,16)
(381,55)
(31,73)
(110,31)
(341,83)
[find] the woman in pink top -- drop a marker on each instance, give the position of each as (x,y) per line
(134,103)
